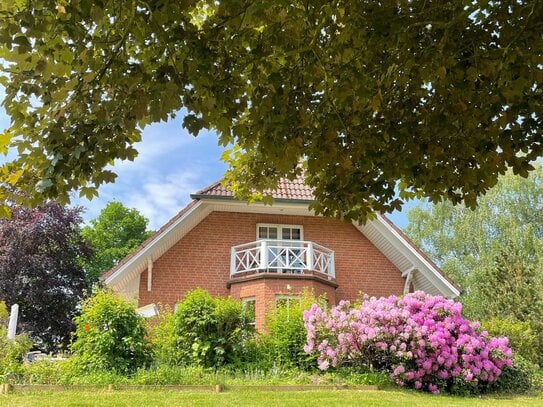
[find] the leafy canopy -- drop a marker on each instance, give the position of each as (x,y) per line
(432,98)
(114,234)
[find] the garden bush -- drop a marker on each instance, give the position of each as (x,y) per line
(522,376)
(162,339)
(282,342)
(207,331)
(522,338)
(110,335)
(11,351)
(423,341)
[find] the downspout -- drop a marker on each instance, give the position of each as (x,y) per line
(149,273)
(408,274)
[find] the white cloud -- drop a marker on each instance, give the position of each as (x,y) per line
(160,199)
(170,166)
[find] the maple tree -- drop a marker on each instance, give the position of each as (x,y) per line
(427,98)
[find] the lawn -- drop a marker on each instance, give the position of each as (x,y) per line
(166,398)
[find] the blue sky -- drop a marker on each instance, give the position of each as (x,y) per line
(170,166)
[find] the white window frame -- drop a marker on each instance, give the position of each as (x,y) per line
(279,227)
(244,301)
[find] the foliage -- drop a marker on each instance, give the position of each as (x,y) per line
(495,251)
(114,234)
(62,372)
(40,269)
(521,377)
(436,99)
(522,339)
(46,371)
(4,314)
(110,335)
(208,331)
(423,341)
(11,351)
(282,342)
(162,338)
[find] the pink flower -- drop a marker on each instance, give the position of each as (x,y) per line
(433,389)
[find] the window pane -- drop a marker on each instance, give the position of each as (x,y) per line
(296,234)
(248,306)
(286,233)
(272,233)
(262,232)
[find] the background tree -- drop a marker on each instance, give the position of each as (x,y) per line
(114,234)
(40,269)
(434,98)
(508,220)
(495,252)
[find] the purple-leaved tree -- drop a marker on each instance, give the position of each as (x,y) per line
(41,253)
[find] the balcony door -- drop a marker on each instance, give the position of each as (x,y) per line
(285,253)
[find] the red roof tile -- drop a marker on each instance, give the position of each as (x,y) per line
(286,189)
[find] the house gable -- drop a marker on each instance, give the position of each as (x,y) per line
(394,250)
(202,258)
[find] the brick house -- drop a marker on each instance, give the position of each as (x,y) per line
(262,254)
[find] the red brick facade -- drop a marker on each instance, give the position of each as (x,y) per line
(202,259)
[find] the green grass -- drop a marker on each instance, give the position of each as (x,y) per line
(135,398)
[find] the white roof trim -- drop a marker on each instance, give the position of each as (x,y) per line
(147,251)
(427,268)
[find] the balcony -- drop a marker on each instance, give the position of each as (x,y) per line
(282,256)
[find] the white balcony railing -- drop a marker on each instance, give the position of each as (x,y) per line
(282,256)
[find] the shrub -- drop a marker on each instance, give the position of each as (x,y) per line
(518,378)
(11,351)
(282,343)
(162,338)
(422,340)
(522,338)
(207,330)
(46,371)
(110,335)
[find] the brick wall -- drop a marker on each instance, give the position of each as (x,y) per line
(265,291)
(202,258)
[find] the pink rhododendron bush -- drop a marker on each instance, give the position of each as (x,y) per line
(422,340)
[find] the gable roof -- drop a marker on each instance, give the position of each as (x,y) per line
(287,190)
(291,195)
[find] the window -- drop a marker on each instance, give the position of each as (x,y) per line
(267,232)
(284,255)
(248,306)
(291,234)
(279,232)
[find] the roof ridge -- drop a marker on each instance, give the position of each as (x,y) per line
(295,190)
(204,190)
